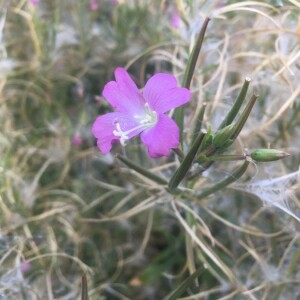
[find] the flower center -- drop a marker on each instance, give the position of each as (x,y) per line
(146,120)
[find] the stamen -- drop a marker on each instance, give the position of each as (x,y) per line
(119,133)
(147,121)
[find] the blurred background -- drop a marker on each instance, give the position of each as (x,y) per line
(67,210)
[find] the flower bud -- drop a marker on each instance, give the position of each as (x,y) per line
(222,136)
(265,155)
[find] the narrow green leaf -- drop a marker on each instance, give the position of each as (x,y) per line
(199,120)
(183,286)
(189,72)
(179,116)
(144,172)
(179,153)
(233,130)
(223,183)
(84,288)
(191,65)
(238,126)
(186,163)
(237,105)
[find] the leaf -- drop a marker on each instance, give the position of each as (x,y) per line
(183,286)
(84,288)
(141,170)
(186,163)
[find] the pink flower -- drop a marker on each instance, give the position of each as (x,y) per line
(175,21)
(220,4)
(77,140)
(25,266)
(34,2)
(79,90)
(94,5)
(143,113)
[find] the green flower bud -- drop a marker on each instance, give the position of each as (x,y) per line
(265,155)
(222,136)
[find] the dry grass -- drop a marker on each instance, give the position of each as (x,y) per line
(66,209)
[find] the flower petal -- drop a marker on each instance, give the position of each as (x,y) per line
(162,93)
(104,127)
(123,94)
(162,137)
(125,82)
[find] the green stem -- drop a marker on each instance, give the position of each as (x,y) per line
(222,184)
(142,171)
(226,157)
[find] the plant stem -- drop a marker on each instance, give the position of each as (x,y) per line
(222,184)
(226,157)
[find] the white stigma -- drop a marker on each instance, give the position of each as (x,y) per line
(119,133)
(147,120)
